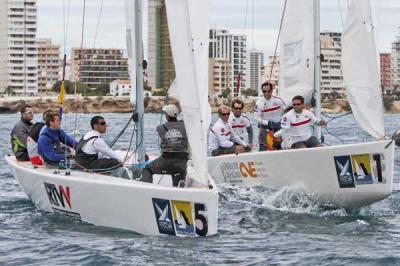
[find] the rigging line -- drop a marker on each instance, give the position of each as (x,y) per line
(245,18)
(341,15)
(277,41)
(98,23)
(80,64)
(66,23)
(252,24)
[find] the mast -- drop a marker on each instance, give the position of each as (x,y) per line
(317,66)
(139,81)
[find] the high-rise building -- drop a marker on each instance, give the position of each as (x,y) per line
(224,44)
(219,75)
(161,70)
(18,50)
(271,70)
(49,65)
(396,63)
(331,70)
(98,65)
(255,69)
(386,72)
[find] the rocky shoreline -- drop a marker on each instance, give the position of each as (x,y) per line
(110,104)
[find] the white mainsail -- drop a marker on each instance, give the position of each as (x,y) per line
(188,23)
(361,68)
(297,51)
(130,45)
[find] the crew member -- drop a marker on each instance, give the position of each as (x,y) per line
(296,124)
(241,123)
(268,113)
(19,134)
(223,139)
(94,154)
(174,149)
(51,139)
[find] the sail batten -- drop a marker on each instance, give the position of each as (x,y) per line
(188,23)
(360,66)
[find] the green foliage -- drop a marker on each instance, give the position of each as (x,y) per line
(162,92)
(225,93)
(388,103)
(70,87)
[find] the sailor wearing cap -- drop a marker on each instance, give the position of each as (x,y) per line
(174,149)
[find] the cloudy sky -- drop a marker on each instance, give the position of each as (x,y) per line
(229,14)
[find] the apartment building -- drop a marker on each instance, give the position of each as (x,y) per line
(18,49)
(161,69)
(94,66)
(331,70)
(255,69)
(219,75)
(49,65)
(231,47)
(386,73)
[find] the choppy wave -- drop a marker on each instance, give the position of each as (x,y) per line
(257,226)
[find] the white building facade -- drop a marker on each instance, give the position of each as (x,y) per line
(331,64)
(18,48)
(255,69)
(49,65)
(396,63)
(225,45)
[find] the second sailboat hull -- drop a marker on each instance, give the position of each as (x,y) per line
(348,176)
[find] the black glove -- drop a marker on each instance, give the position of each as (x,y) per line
(274,126)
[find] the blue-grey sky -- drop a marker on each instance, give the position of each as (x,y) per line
(229,14)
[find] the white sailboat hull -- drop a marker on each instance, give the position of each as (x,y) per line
(102,200)
(328,174)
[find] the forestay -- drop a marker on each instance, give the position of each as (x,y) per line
(130,44)
(297,50)
(188,23)
(360,67)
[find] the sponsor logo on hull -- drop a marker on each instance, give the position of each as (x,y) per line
(181,218)
(238,172)
(60,200)
(359,169)
(163,212)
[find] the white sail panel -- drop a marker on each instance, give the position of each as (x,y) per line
(188,23)
(130,45)
(296,75)
(361,68)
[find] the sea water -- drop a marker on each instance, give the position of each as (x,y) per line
(256,226)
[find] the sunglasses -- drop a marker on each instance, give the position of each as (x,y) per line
(297,104)
(267,91)
(237,108)
(29,113)
(225,114)
(103,124)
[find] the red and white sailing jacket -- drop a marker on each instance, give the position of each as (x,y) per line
(222,135)
(297,126)
(240,125)
(269,110)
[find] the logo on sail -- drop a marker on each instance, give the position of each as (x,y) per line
(183,218)
(163,212)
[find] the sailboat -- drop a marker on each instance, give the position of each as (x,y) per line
(330,174)
(144,208)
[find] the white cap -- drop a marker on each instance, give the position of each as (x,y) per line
(170,110)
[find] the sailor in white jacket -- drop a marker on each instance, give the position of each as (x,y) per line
(223,139)
(268,113)
(296,125)
(240,122)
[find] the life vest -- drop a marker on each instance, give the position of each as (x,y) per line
(82,158)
